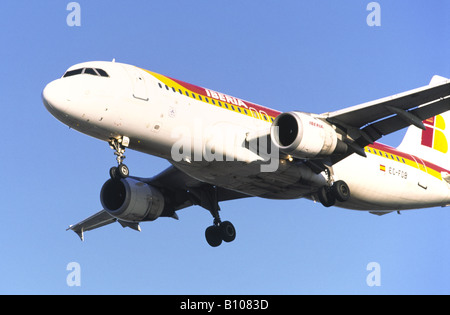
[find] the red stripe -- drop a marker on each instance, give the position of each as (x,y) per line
(388,149)
(199,90)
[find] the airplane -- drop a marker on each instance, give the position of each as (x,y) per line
(223,148)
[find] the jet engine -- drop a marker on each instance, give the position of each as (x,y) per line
(304,136)
(131,200)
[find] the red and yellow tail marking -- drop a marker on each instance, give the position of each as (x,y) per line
(433,136)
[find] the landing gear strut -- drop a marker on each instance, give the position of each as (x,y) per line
(207,197)
(119,145)
(220,231)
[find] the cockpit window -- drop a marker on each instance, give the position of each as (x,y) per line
(72,72)
(102,72)
(97,72)
(90,71)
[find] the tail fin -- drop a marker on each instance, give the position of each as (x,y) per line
(433,143)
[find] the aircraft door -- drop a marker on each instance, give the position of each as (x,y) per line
(138,81)
(422,180)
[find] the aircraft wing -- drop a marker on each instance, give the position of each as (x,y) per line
(363,114)
(366,123)
(180,191)
(99,219)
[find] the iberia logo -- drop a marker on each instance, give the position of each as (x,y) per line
(433,136)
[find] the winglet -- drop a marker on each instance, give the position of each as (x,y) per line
(79,232)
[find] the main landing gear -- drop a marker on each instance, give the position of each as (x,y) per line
(207,196)
(119,145)
(339,191)
(220,231)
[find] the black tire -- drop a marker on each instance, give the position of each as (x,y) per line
(228,232)
(326,198)
(113,172)
(341,191)
(213,236)
(123,171)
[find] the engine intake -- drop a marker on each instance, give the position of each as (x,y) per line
(131,200)
(303,136)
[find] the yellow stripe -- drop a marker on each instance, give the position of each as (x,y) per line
(210,101)
(408,162)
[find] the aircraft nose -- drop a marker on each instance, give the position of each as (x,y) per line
(53,98)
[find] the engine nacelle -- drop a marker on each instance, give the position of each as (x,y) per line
(303,136)
(131,200)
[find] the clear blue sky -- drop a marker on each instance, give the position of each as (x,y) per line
(313,56)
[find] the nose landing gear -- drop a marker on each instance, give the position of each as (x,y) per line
(119,145)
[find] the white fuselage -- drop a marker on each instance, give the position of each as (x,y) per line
(204,133)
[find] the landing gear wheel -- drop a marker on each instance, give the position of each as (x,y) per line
(123,171)
(113,172)
(213,236)
(119,172)
(326,197)
(341,191)
(119,145)
(228,231)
